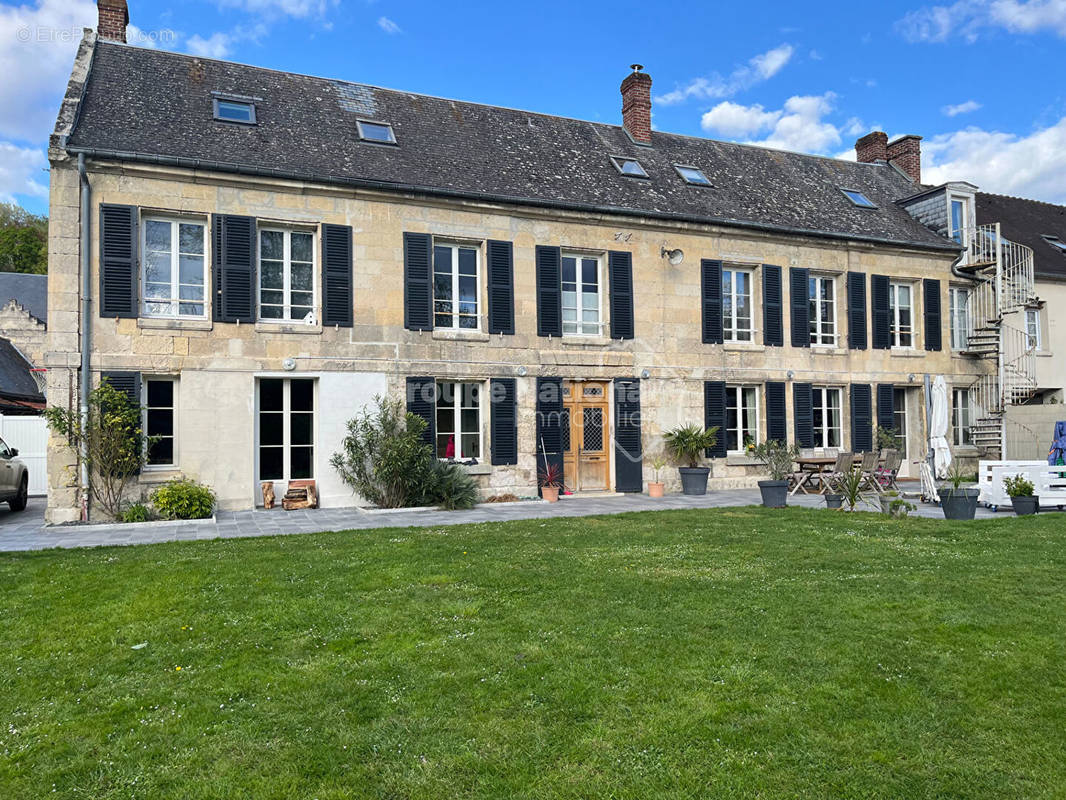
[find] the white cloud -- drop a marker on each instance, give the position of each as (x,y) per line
(1028,166)
(288,8)
(217,45)
(961,108)
(758,69)
(798,126)
(388,25)
(966,19)
(21,172)
(735,120)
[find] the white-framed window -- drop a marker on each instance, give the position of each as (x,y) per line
(286,429)
(823,310)
(826,407)
(459,420)
(173,267)
(901,308)
(959,317)
(737,325)
(456,286)
(582,295)
(961,417)
(1032,328)
(234,110)
(159,420)
(959,216)
(286,275)
(741,418)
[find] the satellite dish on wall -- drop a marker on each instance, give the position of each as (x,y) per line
(675,257)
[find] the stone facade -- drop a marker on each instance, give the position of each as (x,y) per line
(24,331)
(217,364)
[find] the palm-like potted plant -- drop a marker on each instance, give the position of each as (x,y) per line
(778,458)
(1020,489)
(656,488)
(550,479)
(687,444)
(958,503)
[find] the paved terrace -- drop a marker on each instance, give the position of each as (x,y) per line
(27,531)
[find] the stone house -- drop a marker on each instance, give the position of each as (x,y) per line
(255,255)
(24,313)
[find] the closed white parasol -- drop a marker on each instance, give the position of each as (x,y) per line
(938,428)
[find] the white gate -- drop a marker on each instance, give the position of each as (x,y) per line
(30,436)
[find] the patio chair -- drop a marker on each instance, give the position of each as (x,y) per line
(869,470)
(889,470)
(841,468)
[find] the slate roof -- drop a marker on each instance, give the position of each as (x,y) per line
(16,382)
(1026,222)
(157,106)
(29,291)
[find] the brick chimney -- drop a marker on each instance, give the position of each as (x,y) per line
(906,153)
(636,105)
(872,147)
(114,16)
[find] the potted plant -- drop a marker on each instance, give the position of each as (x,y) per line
(958,503)
(834,499)
(687,444)
(656,487)
(550,479)
(1020,489)
(778,458)
(850,487)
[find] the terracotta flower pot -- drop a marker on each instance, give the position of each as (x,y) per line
(550,493)
(656,488)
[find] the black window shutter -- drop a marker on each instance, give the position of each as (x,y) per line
(776,423)
(234,252)
(118,261)
(773,334)
(549,292)
(885,411)
(549,422)
(711,283)
(620,267)
(882,323)
(417,282)
(504,416)
(799,298)
(862,435)
(337,298)
(931,301)
(422,402)
(628,453)
(501,288)
(803,413)
(714,415)
(857,310)
(129,383)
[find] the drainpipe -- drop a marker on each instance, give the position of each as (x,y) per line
(84,382)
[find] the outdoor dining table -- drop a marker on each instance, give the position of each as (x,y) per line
(812,467)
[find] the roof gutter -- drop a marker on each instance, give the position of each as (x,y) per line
(84,383)
(363,183)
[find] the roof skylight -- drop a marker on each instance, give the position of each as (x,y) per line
(229,110)
(629,166)
(380,132)
(1055,242)
(857,198)
(693,175)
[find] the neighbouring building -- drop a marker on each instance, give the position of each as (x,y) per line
(24,313)
(268,252)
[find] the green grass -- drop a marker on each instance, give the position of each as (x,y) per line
(707,654)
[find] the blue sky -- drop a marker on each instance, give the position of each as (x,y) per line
(981,80)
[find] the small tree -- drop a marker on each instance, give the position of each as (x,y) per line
(687,443)
(113,442)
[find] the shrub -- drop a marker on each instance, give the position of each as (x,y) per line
(449,486)
(183,499)
(1018,486)
(687,443)
(136,512)
(778,458)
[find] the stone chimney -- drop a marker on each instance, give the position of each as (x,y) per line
(636,105)
(114,16)
(872,147)
(906,153)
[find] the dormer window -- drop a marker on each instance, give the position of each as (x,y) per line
(692,175)
(629,167)
(858,199)
(229,110)
(380,132)
(1055,242)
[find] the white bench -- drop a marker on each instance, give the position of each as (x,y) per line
(1049,484)
(985,479)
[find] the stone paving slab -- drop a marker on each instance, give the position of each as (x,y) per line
(26,530)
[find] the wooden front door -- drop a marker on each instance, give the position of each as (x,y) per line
(586,436)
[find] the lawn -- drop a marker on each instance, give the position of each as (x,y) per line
(707,654)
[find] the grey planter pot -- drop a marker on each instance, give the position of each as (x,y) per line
(694,479)
(834,500)
(1024,506)
(959,504)
(774,493)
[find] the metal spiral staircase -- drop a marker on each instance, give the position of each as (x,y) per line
(1005,285)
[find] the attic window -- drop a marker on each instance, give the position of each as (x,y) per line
(629,167)
(1055,242)
(857,198)
(380,132)
(693,175)
(234,111)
